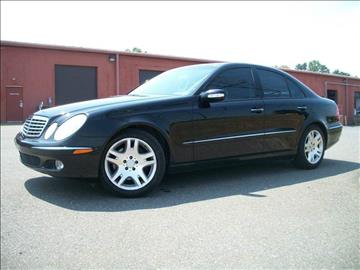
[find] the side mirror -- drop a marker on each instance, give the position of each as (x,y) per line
(213,95)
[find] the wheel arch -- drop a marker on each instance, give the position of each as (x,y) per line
(323,128)
(151,129)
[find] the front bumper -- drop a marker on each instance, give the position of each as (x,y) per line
(42,159)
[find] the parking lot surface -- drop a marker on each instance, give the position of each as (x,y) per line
(264,214)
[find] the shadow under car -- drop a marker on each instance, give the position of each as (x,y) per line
(243,178)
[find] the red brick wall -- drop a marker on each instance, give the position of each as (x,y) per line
(317,83)
(34,69)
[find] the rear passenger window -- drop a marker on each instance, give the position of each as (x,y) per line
(295,90)
(237,82)
(273,84)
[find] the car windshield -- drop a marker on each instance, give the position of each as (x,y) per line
(179,81)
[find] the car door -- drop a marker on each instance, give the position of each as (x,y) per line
(232,127)
(285,111)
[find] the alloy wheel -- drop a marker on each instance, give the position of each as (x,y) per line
(314,146)
(130,163)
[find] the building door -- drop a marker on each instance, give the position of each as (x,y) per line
(14,104)
(74,83)
(145,75)
(332,94)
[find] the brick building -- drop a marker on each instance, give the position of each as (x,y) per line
(32,74)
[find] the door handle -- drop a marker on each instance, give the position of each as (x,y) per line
(302,108)
(257,110)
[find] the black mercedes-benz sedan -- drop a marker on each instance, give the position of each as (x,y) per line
(183,116)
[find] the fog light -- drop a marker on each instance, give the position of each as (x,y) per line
(59,165)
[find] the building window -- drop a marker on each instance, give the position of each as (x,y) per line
(357,103)
(332,94)
(145,75)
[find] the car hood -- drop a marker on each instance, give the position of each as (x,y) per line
(96,104)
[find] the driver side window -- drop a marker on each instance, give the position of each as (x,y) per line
(238,83)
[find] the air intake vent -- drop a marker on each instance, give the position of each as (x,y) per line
(34,126)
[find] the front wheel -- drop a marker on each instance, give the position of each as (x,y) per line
(133,164)
(311,148)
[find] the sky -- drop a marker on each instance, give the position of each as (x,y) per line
(265,33)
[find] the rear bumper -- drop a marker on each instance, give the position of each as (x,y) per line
(42,159)
(333,135)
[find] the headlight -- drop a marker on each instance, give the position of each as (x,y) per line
(50,131)
(70,126)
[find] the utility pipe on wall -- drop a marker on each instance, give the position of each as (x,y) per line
(117,75)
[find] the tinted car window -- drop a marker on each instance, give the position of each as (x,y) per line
(237,82)
(273,84)
(295,90)
(178,82)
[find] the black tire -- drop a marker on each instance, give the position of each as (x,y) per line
(160,166)
(300,160)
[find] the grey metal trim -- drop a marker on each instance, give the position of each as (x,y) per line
(335,127)
(279,132)
(61,148)
(224,138)
(239,136)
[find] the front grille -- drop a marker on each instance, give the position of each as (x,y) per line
(34,126)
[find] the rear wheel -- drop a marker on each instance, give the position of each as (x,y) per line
(133,164)
(311,148)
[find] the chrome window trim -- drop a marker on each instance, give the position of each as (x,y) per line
(240,136)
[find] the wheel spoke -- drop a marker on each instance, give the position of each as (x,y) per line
(115,153)
(147,155)
(142,175)
(136,180)
(116,175)
(112,160)
(123,179)
(309,157)
(147,163)
(128,146)
(136,146)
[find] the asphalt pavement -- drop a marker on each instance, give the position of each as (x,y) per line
(264,214)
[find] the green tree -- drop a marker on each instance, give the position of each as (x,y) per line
(316,66)
(338,72)
(301,66)
(136,50)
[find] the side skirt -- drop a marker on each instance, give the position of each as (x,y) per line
(178,167)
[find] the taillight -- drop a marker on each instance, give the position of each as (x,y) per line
(337,113)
